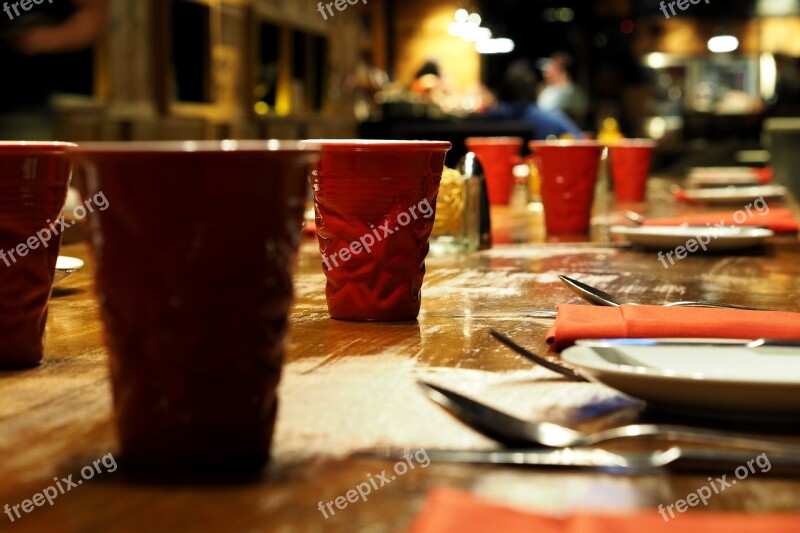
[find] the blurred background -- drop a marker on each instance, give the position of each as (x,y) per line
(702,81)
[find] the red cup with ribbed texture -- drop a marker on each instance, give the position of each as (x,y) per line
(375,204)
(194,257)
(34,178)
(568,171)
(630,165)
(497,155)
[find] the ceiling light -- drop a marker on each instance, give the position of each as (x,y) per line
(722,44)
(495,46)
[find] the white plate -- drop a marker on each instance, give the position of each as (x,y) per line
(702,172)
(721,180)
(726,381)
(735,195)
(671,237)
(66,266)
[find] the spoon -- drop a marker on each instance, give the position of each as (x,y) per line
(513,431)
(597,297)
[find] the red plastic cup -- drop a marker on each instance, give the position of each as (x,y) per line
(375,204)
(630,165)
(34,178)
(194,255)
(497,156)
(568,171)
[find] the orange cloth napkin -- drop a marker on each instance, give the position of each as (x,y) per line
(653,321)
(453,511)
(765,174)
(778,220)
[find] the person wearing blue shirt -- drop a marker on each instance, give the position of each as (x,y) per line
(518,102)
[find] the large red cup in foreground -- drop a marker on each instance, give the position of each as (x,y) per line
(630,165)
(497,156)
(375,204)
(34,178)
(194,256)
(568,171)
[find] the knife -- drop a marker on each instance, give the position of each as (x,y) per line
(565,457)
(589,458)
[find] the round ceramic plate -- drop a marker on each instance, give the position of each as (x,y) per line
(730,382)
(721,171)
(735,195)
(66,266)
(714,239)
(721,180)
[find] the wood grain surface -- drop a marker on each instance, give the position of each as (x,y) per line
(57,418)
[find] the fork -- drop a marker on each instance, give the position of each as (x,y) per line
(597,297)
(539,360)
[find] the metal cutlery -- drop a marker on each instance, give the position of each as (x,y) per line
(598,297)
(591,458)
(539,360)
(512,431)
(565,457)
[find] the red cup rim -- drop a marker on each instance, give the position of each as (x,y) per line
(34,146)
(188,147)
(495,140)
(376,145)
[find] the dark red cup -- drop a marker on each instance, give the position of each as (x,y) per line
(34,178)
(375,204)
(194,256)
(568,171)
(630,165)
(497,156)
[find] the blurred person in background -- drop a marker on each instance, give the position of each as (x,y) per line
(517,101)
(560,92)
(45,50)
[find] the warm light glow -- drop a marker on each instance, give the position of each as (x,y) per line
(722,44)
(261,108)
(655,60)
(769,76)
(462,15)
(495,46)
(475,19)
(476,34)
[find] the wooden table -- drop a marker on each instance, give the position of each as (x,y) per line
(55,419)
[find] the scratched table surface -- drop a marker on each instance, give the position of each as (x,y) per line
(350,387)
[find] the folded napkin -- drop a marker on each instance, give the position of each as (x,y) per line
(778,220)
(765,174)
(653,321)
(448,510)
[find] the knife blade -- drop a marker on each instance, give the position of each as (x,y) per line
(592,458)
(565,457)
